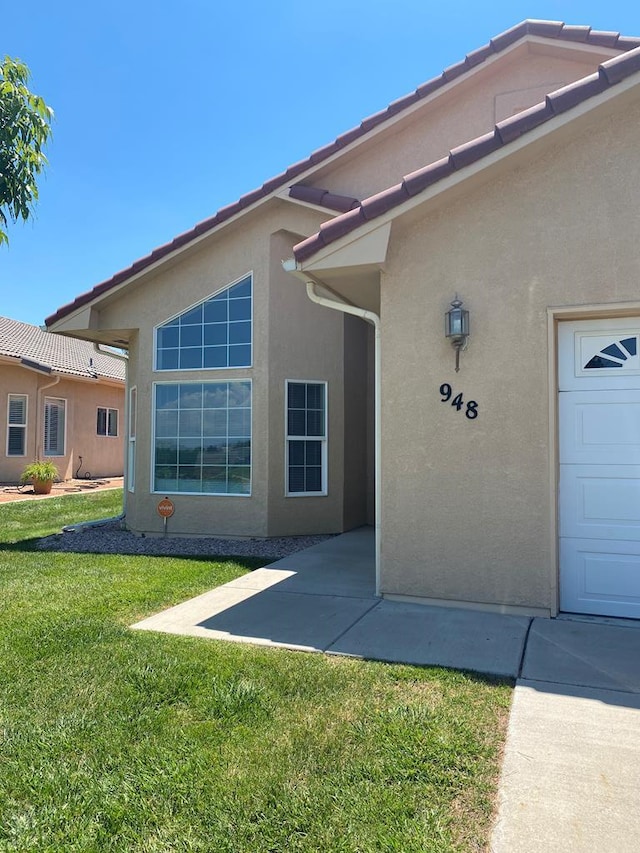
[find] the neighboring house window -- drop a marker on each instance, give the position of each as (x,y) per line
(54,425)
(202,437)
(306,438)
(107,422)
(17,425)
(214,334)
(131,460)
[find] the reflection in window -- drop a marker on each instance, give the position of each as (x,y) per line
(214,334)
(203,438)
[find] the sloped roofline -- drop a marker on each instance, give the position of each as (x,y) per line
(609,74)
(546,29)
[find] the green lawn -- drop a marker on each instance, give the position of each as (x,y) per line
(118,740)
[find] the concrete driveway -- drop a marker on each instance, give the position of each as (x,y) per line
(570,780)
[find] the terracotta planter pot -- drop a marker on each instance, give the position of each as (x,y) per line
(42,487)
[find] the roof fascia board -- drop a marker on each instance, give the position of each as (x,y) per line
(460,176)
(371,248)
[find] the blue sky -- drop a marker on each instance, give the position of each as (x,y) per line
(167,111)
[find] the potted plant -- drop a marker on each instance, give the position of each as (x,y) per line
(41,473)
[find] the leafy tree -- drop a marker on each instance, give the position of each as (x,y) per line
(25,127)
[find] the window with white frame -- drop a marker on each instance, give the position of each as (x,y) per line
(131,459)
(213,334)
(202,437)
(54,426)
(306,438)
(107,422)
(17,425)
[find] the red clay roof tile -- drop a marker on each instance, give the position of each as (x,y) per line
(419,180)
(474,150)
(323,198)
(574,93)
(514,126)
(546,29)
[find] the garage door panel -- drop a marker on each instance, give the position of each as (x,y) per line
(600,428)
(600,502)
(600,577)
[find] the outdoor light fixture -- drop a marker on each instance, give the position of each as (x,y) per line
(456,327)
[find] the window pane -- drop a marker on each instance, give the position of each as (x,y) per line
(315,423)
(18,410)
(215,356)
(239,309)
(112,426)
(191,359)
(313,479)
(166,423)
(243,288)
(216,311)
(215,451)
(16,441)
(216,333)
(194,316)
(166,452)
(101,427)
(216,395)
(166,478)
(240,452)
(189,451)
(296,397)
(214,479)
(239,422)
(296,423)
(240,356)
(167,396)
(190,423)
(239,480)
(168,336)
(240,333)
(191,395)
(191,336)
(214,422)
(313,452)
(315,396)
(296,452)
(296,478)
(168,359)
(54,412)
(240,394)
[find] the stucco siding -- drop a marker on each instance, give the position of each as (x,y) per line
(466,502)
(511,83)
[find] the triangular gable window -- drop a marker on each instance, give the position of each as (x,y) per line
(214,334)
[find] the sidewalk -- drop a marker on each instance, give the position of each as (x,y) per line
(571,774)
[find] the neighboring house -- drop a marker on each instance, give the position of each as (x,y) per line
(60,399)
(511,180)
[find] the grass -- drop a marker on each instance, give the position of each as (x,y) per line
(118,740)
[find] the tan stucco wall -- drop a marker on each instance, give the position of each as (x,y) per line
(467,505)
(472,107)
(101,455)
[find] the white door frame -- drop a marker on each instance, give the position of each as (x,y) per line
(556,315)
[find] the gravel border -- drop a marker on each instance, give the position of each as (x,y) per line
(112,538)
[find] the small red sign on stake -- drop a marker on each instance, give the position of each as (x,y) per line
(166,508)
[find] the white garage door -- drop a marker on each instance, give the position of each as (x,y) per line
(599,383)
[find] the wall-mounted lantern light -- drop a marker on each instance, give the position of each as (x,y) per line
(456,327)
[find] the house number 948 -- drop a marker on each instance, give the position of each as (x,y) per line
(446,392)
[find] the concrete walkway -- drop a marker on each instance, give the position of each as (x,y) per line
(571,773)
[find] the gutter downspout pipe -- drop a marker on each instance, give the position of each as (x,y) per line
(371,317)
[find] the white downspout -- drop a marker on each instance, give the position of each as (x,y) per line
(373,318)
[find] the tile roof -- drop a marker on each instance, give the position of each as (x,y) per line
(53,353)
(546,29)
(609,73)
(323,198)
